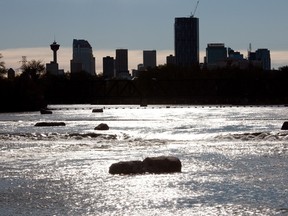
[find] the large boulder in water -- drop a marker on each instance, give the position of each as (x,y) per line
(156,165)
(97,110)
(285,126)
(49,124)
(127,167)
(102,126)
(162,164)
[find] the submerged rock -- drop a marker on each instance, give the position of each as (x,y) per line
(285,126)
(102,126)
(49,124)
(97,110)
(155,165)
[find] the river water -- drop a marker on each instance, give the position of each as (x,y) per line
(234,161)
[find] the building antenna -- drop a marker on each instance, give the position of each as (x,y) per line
(250,47)
(193,14)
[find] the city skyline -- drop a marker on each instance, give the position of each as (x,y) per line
(12,57)
(135,30)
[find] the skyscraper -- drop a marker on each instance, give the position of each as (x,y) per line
(215,53)
(149,59)
(263,55)
(83,59)
(121,63)
(186,41)
(216,56)
(108,67)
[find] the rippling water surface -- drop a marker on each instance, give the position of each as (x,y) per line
(234,161)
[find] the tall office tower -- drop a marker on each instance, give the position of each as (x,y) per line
(149,59)
(263,55)
(186,41)
(215,53)
(108,67)
(83,59)
(121,62)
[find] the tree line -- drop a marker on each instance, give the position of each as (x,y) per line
(34,88)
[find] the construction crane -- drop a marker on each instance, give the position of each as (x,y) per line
(192,15)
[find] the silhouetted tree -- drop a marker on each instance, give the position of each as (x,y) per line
(284,68)
(33,69)
(2,66)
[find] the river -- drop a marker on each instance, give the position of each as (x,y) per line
(234,161)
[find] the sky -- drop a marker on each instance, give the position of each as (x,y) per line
(28,27)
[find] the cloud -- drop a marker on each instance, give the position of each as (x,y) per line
(13,57)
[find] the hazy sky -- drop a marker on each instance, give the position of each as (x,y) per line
(142,24)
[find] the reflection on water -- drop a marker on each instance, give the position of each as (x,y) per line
(232,164)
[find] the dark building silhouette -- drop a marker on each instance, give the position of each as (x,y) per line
(263,55)
(216,52)
(216,56)
(83,59)
(170,60)
(121,63)
(149,59)
(186,41)
(234,55)
(108,67)
(251,56)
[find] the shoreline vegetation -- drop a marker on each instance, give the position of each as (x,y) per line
(162,85)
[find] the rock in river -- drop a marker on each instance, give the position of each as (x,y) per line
(162,164)
(97,110)
(156,165)
(285,126)
(49,124)
(102,126)
(127,167)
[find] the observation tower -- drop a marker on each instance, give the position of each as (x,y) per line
(55,47)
